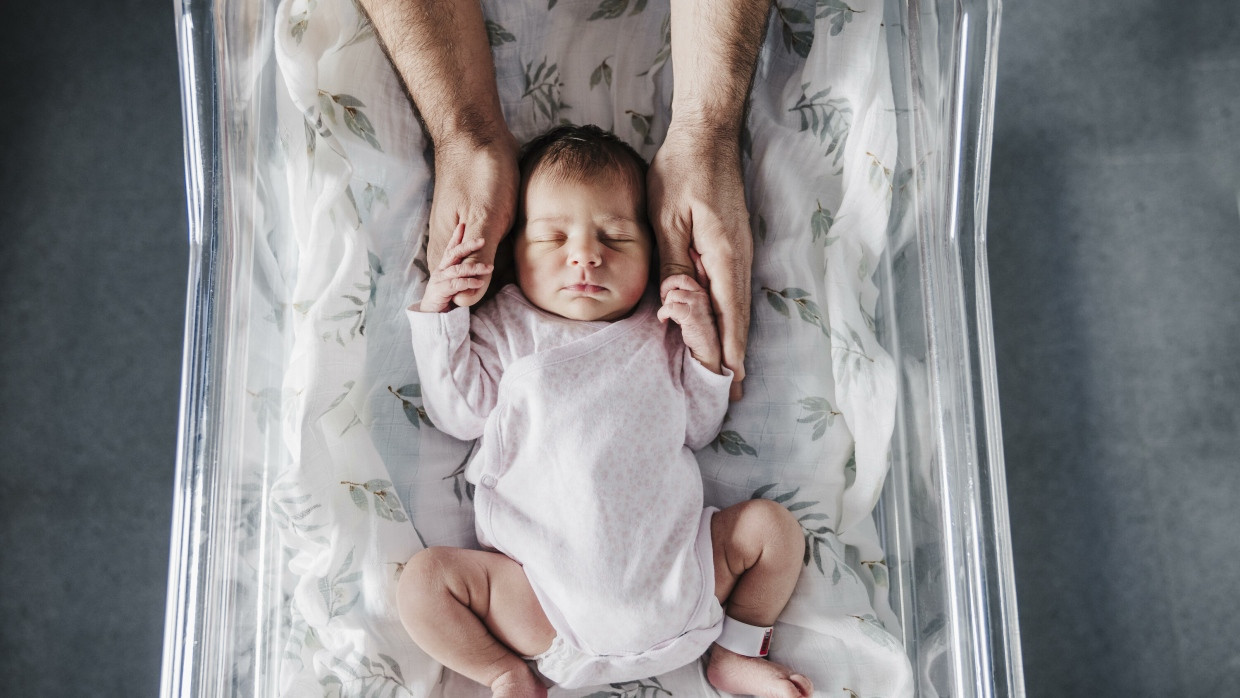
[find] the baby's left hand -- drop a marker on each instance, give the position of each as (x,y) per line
(687,303)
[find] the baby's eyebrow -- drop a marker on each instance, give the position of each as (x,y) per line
(564,218)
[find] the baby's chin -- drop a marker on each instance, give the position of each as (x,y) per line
(589,310)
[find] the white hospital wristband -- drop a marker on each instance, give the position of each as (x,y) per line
(744,639)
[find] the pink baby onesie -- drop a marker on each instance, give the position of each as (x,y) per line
(585,473)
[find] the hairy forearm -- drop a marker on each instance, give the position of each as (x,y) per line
(440,50)
(714,52)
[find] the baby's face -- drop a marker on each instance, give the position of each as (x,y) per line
(583,252)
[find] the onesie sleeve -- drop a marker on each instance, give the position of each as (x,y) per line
(706,400)
(459,368)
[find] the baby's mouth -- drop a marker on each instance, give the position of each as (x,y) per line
(584,287)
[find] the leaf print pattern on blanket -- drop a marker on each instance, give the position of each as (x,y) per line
(601,74)
(665,46)
(497,35)
(796,29)
(543,86)
(340,591)
(820,414)
(416,414)
(611,9)
(299,22)
(386,503)
(646,688)
(850,354)
(806,307)
(733,443)
(354,318)
(820,222)
(354,118)
(641,125)
(359,675)
(826,118)
(838,12)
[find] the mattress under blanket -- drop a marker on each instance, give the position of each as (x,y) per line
(363,480)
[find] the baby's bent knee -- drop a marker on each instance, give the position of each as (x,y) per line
(771,526)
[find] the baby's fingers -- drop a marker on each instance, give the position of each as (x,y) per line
(679,282)
(458,251)
(450,286)
(465,269)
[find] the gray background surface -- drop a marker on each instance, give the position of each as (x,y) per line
(1114,250)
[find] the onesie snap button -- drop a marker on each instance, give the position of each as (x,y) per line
(488,481)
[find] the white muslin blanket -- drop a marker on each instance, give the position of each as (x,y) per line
(362,480)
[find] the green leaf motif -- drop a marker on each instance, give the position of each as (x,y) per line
(611,9)
(337,588)
(838,12)
(646,688)
(820,223)
(880,176)
(354,118)
(299,26)
(820,413)
(543,87)
(878,568)
(364,676)
(733,443)
(386,504)
(601,74)
(299,23)
(416,414)
(641,125)
(807,309)
(829,119)
(849,354)
(796,30)
(373,194)
(497,35)
(461,487)
(665,46)
(292,512)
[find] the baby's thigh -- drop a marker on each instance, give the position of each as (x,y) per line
(749,532)
(492,586)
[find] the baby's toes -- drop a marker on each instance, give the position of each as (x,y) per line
(805,687)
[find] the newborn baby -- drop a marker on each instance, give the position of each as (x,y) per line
(601,562)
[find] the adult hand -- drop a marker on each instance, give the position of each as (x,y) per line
(697,200)
(454,274)
(475,184)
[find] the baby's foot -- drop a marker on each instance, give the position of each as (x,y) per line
(752,676)
(518,684)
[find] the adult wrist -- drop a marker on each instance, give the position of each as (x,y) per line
(706,125)
(470,128)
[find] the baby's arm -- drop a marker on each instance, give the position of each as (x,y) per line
(455,275)
(687,304)
(457,361)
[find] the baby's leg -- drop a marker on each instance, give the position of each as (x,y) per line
(759,548)
(475,612)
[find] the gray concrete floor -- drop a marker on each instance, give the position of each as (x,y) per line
(1114,249)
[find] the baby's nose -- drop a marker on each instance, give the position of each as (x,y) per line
(585,253)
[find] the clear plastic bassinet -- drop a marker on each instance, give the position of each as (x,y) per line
(942,517)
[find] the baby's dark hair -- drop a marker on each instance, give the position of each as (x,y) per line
(583,153)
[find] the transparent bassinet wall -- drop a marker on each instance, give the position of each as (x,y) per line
(943,514)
